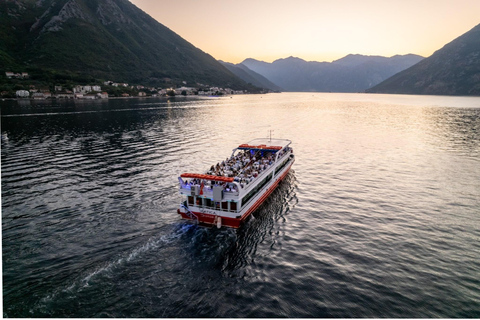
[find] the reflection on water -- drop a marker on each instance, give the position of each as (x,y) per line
(377,218)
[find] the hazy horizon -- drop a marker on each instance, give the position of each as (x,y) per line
(314,30)
(354,54)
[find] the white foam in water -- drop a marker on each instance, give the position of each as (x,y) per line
(151,244)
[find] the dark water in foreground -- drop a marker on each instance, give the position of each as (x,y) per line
(379,217)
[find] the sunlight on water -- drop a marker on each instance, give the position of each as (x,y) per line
(377,218)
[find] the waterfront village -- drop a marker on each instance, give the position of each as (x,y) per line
(102,92)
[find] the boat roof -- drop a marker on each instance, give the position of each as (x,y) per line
(266,144)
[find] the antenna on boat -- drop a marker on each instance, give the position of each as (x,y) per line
(270,135)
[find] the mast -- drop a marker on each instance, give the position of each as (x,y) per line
(270,140)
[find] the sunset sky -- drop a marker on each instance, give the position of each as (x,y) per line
(314,30)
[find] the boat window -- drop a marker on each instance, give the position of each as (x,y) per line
(208,203)
(190,200)
(233,206)
(255,190)
(199,201)
(280,167)
(225,206)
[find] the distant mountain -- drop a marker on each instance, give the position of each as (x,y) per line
(353,73)
(249,76)
(102,39)
(452,70)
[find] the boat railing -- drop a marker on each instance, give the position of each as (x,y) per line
(247,187)
(207,190)
(285,152)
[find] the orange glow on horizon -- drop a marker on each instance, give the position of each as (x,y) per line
(314,30)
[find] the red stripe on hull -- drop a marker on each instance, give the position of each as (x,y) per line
(209,219)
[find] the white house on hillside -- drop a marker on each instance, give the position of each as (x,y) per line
(22,94)
(86,89)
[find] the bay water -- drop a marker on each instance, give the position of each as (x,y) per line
(379,216)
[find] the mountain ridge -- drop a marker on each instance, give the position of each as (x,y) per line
(352,73)
(454,69)
(103,39)
(249,76)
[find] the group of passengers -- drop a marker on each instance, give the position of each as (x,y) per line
(244,167)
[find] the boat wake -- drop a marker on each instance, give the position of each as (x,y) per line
(111,268)
(231,253)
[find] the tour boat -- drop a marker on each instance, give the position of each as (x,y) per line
(231,190)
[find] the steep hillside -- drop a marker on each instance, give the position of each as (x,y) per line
(452,70)
(101,39)
(249,76)
(353,73)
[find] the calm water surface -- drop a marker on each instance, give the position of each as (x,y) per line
(379,216)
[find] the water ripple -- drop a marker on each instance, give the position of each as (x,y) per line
(377,218)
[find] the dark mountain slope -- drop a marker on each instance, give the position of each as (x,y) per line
(249,76)
(452,70)
(103,39)
(353,73)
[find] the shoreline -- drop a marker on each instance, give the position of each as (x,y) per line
(115,98)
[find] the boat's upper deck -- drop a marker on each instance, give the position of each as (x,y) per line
(247,162)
